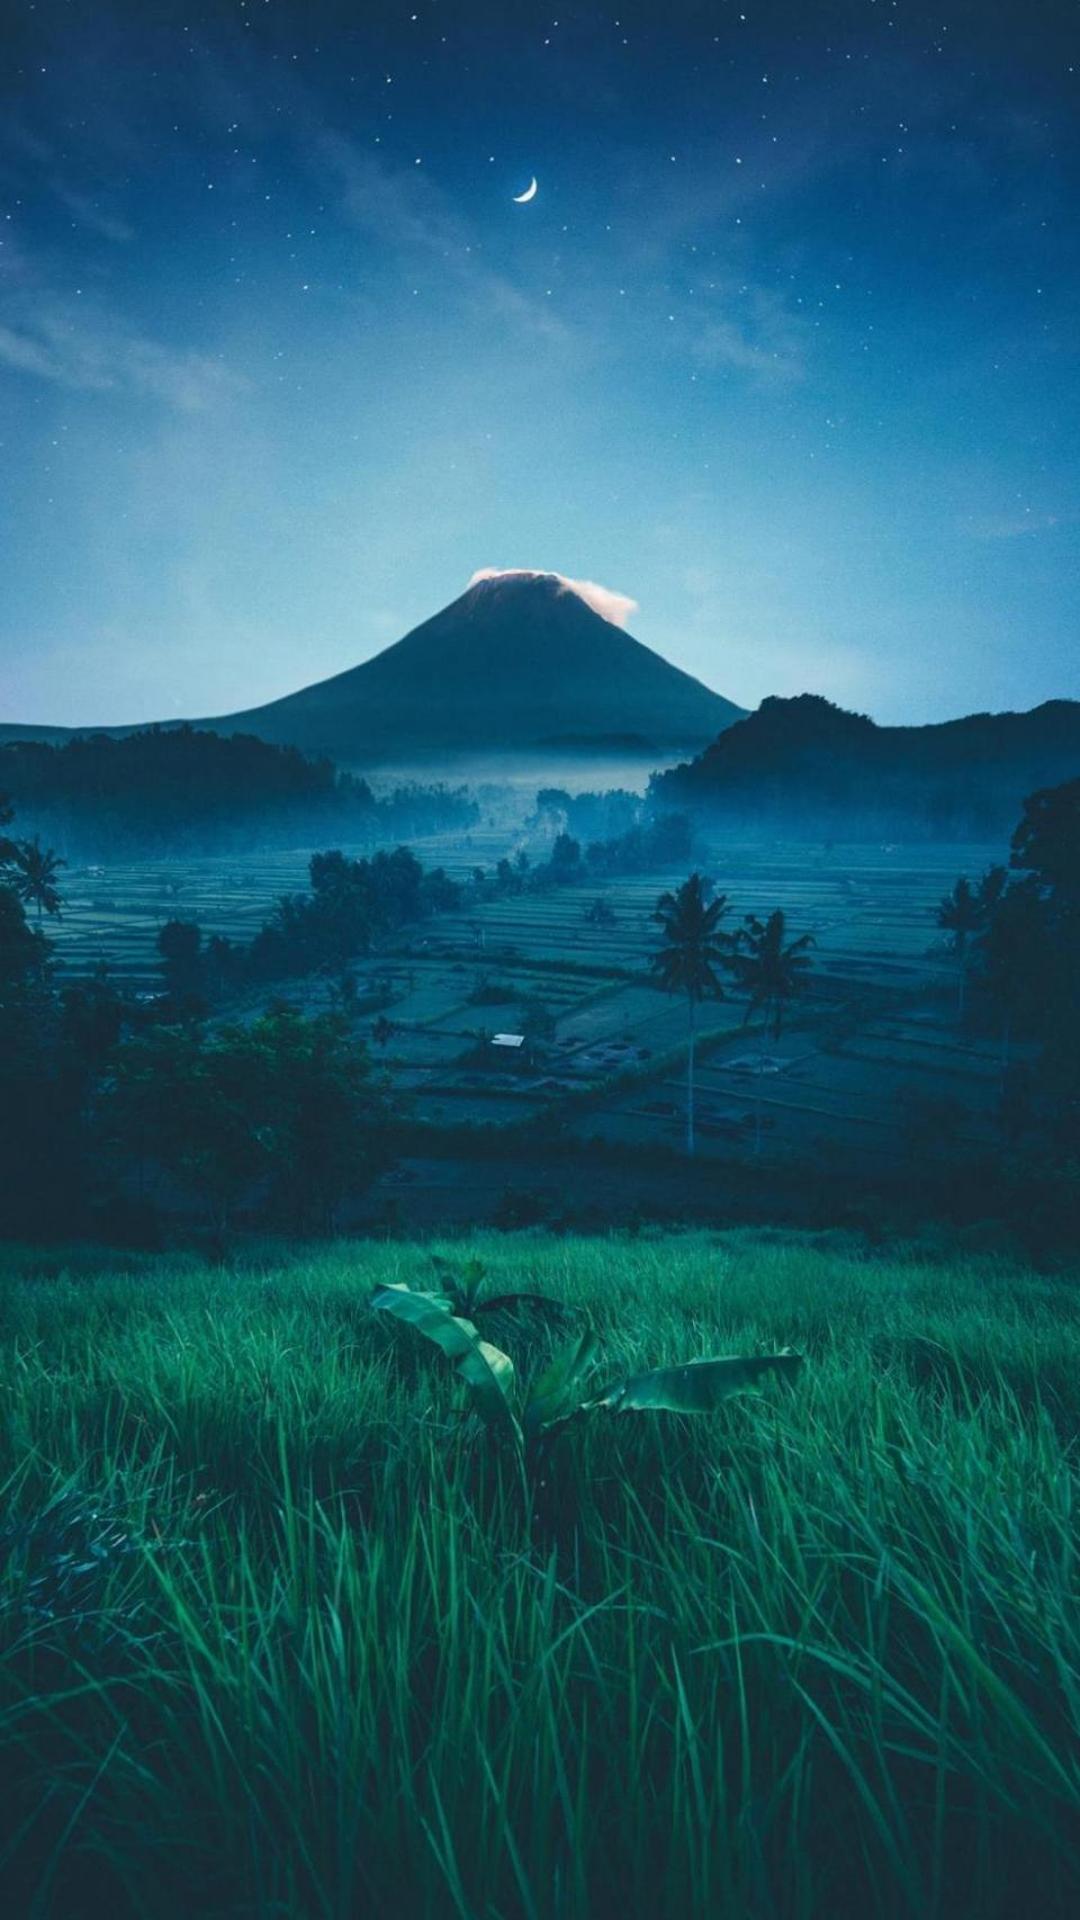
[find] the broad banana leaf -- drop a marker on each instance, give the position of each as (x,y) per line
(486,1371)
(554,1395)
(698,1386)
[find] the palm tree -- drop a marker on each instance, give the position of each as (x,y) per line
(688,961)
(36,868)
(771,968)
(7,846)
(962,913)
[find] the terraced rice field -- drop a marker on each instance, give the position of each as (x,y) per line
(876,1035)
(114,913)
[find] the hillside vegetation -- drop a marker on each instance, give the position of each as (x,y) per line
(288,1632)
(178,790)
(807,768)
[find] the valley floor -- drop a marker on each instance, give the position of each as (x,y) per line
(287,1633)
(873,1069)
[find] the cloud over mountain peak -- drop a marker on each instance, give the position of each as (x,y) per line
(606,601)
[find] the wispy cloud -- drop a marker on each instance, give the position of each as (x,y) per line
(95,218)
(606,601)
(80,343)
(414,221)
(768,344)
(1014,525)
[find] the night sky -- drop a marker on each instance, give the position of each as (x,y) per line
(786,348)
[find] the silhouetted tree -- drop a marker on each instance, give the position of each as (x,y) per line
(962,915)
(692,955)
(599,913)
(22,951)
(1047,846)
(281,1110)
(552,808)
(772,970)
(565,856)
(7,845)
(180,945)
(37,1179)
(91,1022)
(1047,842)
(184,787)
(34,871)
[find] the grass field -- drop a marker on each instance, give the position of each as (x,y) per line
(285,1636)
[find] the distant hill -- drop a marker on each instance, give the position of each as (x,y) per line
(176,789)
(806,769)
(519,665)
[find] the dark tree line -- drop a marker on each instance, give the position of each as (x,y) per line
(589,816)
(115,1114)
(189,789)
(646,844)
(351,905)
(1015,934)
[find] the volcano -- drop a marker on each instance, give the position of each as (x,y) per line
(520,665)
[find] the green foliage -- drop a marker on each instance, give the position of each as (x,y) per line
(463,1285)
(770,968)
(555,1396)
(180,945)
(565,855)
(352,903)
(283,1101)
(697,1386)
(599,913)
(313,1651)
(1047,840)
(7,844)
(694,952)
(960,913)
(189,788)
(32,873)
(22,951)
(805,768)
(487,1372)
(700,1385)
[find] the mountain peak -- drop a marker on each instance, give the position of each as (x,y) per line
(538,583)
(525,663)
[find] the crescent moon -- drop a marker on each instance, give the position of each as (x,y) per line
(529,193)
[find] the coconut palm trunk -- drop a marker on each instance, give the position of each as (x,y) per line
(772,969)
(692,1004)
(759,1078)
(693,952)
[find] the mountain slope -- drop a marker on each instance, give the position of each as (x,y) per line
(520,664)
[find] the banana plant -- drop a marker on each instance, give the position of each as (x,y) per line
(487,1372)
(464,1291)
(557,1396)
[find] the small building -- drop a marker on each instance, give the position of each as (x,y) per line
(512,1040)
